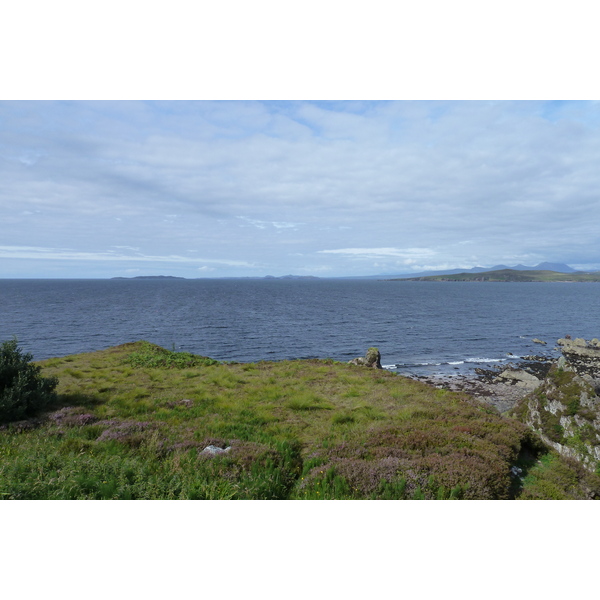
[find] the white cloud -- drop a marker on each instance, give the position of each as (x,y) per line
(409,254)
(30,252)
(450,182)
(130,248)
(276,224)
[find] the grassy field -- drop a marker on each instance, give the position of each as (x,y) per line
(132,422)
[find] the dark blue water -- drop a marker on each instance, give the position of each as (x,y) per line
(419,327)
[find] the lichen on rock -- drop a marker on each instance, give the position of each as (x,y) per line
(372,359)
(565,408)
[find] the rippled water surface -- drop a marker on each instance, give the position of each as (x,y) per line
(419,327)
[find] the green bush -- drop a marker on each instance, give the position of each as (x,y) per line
(23,390)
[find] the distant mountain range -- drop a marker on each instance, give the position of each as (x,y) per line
(545,266)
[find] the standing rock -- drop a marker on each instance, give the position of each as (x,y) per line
(371,359)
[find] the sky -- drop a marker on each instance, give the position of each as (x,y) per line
(325,188)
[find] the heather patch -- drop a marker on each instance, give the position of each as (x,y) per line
(72,416)
(353,478)
(459,474)
(21,426)
(183,446)
(123,431)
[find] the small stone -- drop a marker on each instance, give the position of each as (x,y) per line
(212,450)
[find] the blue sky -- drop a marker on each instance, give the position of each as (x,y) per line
(250,188)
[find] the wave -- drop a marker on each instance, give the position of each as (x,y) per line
(484,360)
(423,364)
(472,360)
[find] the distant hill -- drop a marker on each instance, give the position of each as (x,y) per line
(545,266)
(509,275)
(290,277)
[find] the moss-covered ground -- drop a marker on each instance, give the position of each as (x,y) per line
(132,423)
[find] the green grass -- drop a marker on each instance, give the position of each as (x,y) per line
(556,478)
(152,356)
(131,422)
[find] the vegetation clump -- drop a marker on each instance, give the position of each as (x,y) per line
(152,356)
(23,391)
(556,477)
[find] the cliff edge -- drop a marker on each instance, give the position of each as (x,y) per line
(565,408)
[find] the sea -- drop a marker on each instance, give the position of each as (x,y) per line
(421,328)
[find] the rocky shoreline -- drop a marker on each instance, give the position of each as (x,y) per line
(501,387)
(504,386)
(557,398)
(503,396)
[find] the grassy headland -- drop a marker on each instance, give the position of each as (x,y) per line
(133,421)
(510,275)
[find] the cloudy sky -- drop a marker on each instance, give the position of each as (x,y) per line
(235,188)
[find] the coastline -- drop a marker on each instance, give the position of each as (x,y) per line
(488,387)
(502,396)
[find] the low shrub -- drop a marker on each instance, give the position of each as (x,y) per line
(23,391)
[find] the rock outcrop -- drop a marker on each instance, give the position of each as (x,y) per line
(520,378)
(581,356)
(371,359)
(564,409)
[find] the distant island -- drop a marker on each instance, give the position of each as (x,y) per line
(510,275)
(162,277)
(290,277)
(150,277)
